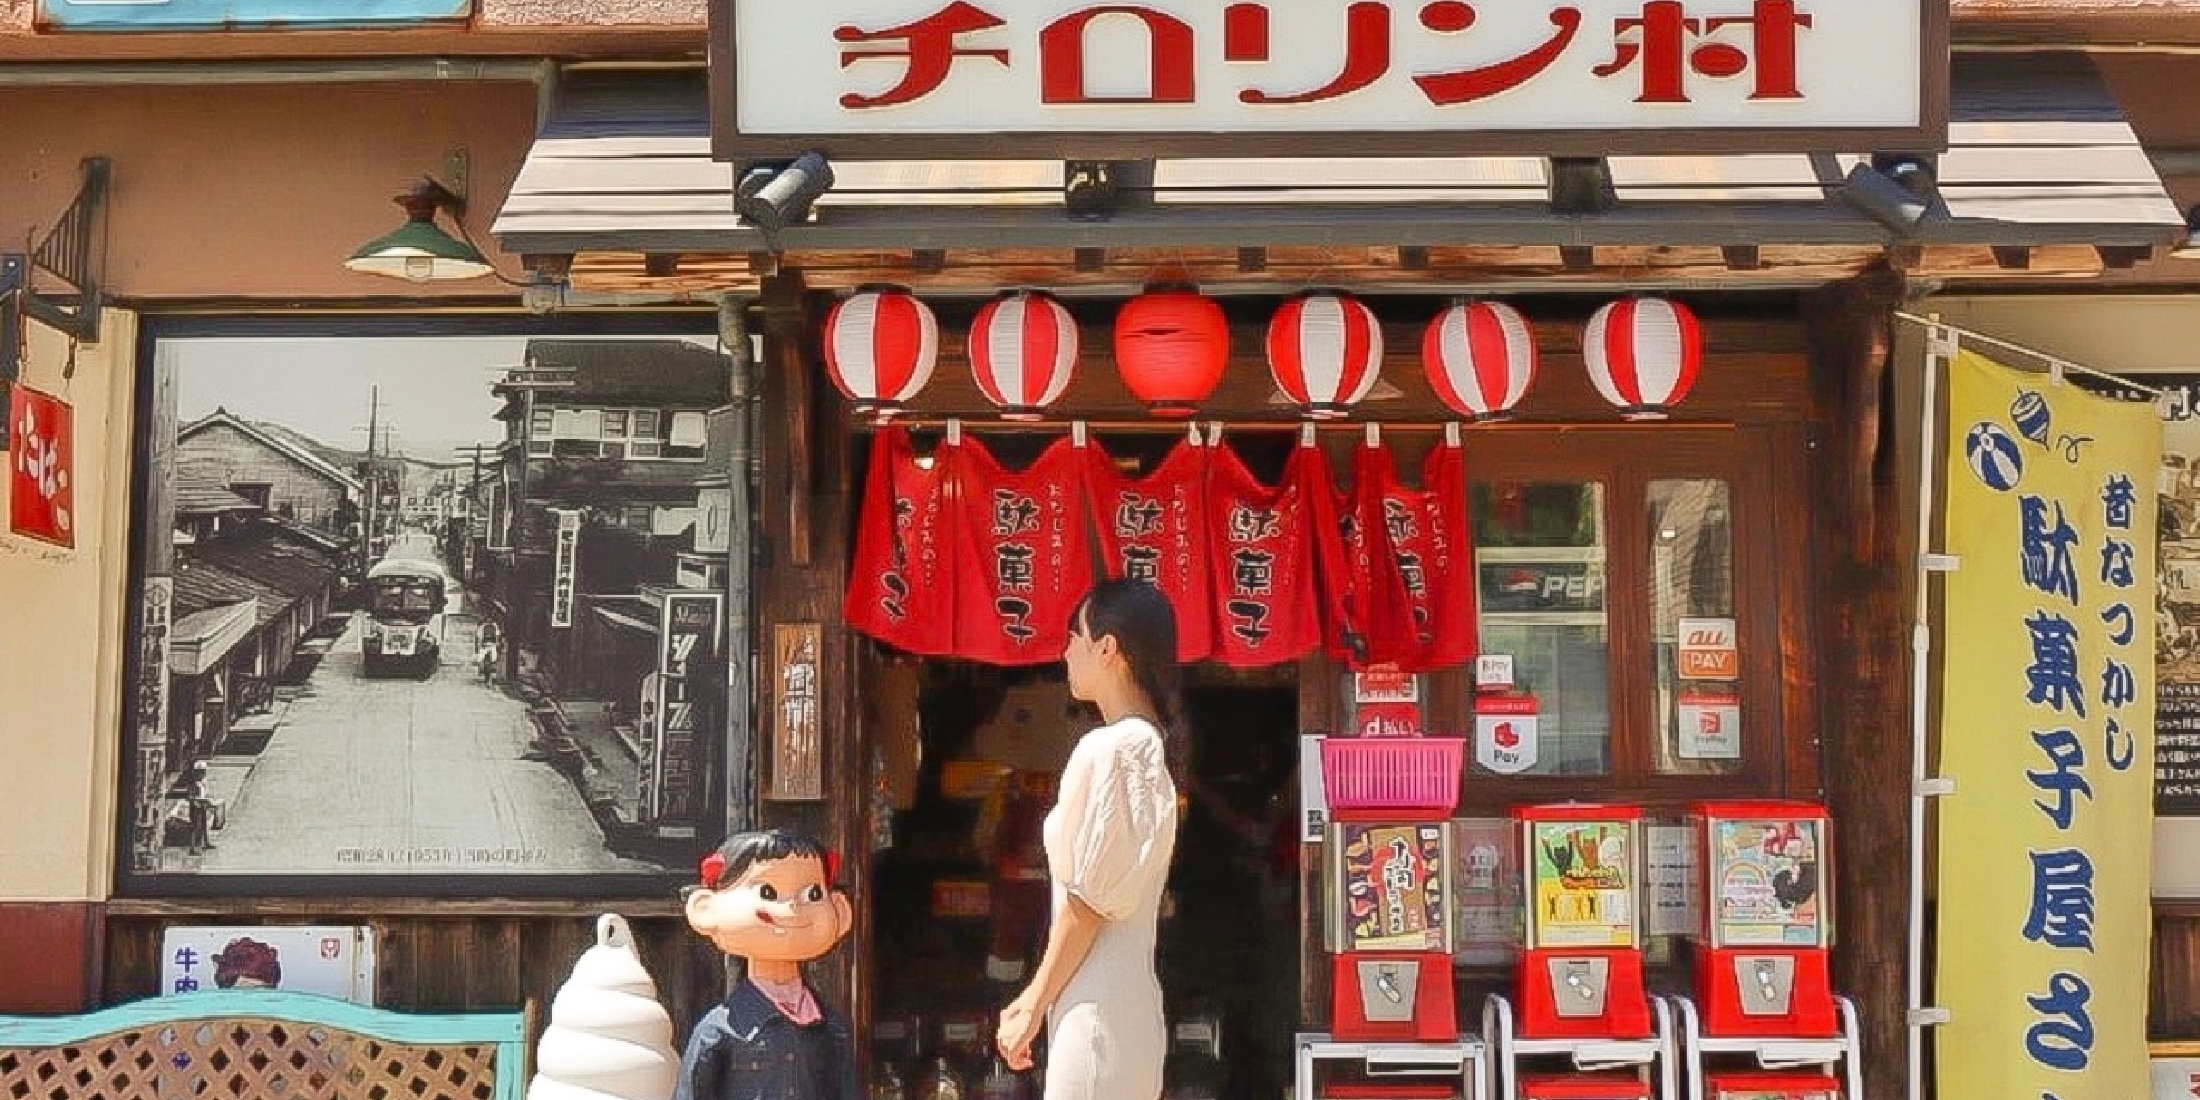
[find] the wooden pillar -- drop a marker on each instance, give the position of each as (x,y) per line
(803,507)
(1865,549)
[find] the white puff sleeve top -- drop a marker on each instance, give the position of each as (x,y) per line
(1112,831)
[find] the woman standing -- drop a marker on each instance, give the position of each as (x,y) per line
(1108,843)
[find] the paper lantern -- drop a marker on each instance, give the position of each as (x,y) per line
(1023,351)
(880,347)
(608,1037)
(1480,358)
(1326,352)
(1643,354)
(1171,347)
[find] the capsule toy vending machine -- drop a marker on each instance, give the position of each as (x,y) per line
(1580,996)
(1389,887)
(1581,972)
(1762,966)
(1763,992)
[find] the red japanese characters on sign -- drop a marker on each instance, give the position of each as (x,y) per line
(1022,560)
(1154,528)
(41,468)
(1269,608)
(1183,67)
(904,571)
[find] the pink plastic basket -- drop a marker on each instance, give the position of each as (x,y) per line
(1373,778)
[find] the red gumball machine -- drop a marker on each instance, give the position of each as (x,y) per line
(1762,986)
(1389,863)
(1580,991)
(1388,852)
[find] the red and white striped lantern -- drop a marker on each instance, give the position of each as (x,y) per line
(1643,355)
(1325,351)
(880,347)
(1480,358)
(1023,351)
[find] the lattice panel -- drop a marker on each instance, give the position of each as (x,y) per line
(247,1060)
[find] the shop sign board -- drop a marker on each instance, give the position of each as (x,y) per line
(1086,80)
(41,490)
(564,563)
(185,15)
(2046,693)
(2177,628)
(687,636)
(335,961)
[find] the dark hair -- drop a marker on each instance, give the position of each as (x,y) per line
(245,957)
(742,851)
(1138,616)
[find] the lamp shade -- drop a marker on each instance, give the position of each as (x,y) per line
(880,347)
(1023,352)
(420,250)
(1643,355)
(1480,358)
(1326,352)
(1171,348)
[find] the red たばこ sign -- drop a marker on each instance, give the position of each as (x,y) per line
(42,468)
(1078,78)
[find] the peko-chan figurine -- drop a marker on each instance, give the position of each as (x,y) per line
(768,899)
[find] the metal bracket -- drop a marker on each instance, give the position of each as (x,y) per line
(1929,1017)
(1940,563)
(1936,786)
(14,277)
(1942,342)
(75,252)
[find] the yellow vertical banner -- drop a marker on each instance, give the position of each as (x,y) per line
(2046,676)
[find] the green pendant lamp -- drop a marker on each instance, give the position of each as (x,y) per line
(420,250)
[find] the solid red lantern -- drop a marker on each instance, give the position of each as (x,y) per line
(1325,351)
(1480,358)
(1643,355)
(880,347)
(1023,350)
(1171,347)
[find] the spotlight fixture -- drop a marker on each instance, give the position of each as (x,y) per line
(1896,190)
(420,250)
(2189,249)
(772,198)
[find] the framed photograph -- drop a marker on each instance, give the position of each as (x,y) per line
(427,608)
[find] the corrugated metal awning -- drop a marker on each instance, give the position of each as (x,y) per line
(2039,155)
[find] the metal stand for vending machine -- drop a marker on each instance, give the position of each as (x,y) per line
(1836,1055)
(1653,1055)
(1463,1059)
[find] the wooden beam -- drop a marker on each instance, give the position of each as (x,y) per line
(786,336)
(1863,569)
(2123,257)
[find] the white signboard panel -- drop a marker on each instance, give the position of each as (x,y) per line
(333,961)
(1186,67)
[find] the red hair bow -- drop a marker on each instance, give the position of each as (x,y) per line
(714,866)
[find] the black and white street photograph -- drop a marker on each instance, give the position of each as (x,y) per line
(445,605)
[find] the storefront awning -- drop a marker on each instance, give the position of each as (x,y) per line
(2040,157)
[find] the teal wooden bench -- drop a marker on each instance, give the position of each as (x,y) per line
(262,1045)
